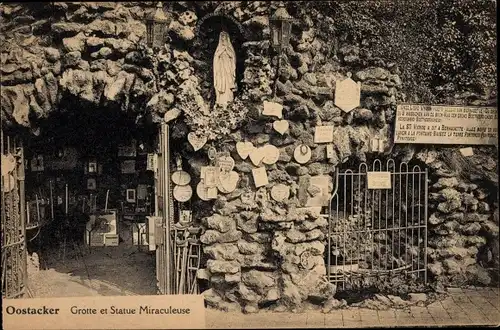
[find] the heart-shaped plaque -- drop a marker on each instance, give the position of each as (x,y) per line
(244,149)
(228,182)
(271,154)
(256,156)
(281,126)
(225,163)
(196,141)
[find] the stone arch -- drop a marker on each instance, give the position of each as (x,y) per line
(241,29)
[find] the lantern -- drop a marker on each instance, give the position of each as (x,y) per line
(281,28)
(156,27)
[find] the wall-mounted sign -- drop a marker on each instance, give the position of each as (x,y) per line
(302,154)
(272,109)
(281,126)
(323,134)
(347,94)
(444,124)
(244,149)
(196,141)
(379,180)
(260,177)
(182,193)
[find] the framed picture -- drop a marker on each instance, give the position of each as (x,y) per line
(37,164)
(93,167)
(128,166)
(91,184)
(128,150)
(130,195)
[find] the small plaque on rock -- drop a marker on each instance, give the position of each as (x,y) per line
(260,177)
(280,192)
(272,109)
(323,134)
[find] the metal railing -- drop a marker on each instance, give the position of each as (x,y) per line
(374,232)
(13,231)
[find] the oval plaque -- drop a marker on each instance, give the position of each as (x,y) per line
(280,192)
(202,191)
(181,178)
(182,193)
(307,260)
(271,154)
(302,154)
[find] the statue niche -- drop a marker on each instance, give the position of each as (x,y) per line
(220,58)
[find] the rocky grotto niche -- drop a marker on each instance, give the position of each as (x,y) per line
(205,44)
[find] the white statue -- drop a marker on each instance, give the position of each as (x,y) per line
(224,70)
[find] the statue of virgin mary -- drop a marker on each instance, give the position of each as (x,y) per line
(224,70)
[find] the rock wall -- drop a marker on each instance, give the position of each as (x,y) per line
(463,215)
(260,252)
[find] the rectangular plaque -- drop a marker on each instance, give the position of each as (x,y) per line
(323,134)
(443,124)
(210,175)
(329,151)
(260,177)
(379,180)
(467,152)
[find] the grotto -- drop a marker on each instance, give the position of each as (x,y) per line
(243,149)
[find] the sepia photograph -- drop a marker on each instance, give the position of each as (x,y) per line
(249,164)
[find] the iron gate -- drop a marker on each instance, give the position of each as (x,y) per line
(14,267)
(375,232)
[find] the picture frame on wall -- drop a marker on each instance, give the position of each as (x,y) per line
(130,195)
(128,166)
(128,150)
(91,184)
(92,167)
